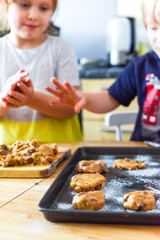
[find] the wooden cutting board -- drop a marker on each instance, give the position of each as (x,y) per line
(37,171)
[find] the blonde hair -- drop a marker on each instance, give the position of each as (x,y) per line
(149,8)
(6,2)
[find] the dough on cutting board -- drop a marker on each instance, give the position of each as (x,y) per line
(25,153)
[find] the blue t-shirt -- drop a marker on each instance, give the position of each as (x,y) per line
(141,78)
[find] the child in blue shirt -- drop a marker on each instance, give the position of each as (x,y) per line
(140,78)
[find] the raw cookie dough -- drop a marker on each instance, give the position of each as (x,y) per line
(27,153)
(129,164)
(139,200)
(92,200)
(87,182)
(91,166)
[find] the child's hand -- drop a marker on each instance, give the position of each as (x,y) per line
(66,94)
(13,98)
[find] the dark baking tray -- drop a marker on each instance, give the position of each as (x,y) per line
(56,204)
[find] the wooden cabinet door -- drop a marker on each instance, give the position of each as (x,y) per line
(91,122)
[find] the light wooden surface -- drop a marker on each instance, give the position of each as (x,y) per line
(20,218)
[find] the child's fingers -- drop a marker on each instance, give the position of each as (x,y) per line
(59,85)
(79,105)
(10,100)
(28,82)
(4,99)
(76,109)
(56,83)
(69,87)
(53,91)
(23,76)
(19,77)
(22,73)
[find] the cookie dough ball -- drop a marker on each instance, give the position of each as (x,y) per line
(129,164)
(48,149)
(91,166)
(139,200)
(92,200)
(87,182)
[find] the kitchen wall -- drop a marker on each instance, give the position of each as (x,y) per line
(133,9)
(3,20)
(83,24)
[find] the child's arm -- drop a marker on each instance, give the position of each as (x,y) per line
(100,102)
(19,91)
(40,102)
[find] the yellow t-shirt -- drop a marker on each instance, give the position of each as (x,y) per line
(45,130)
